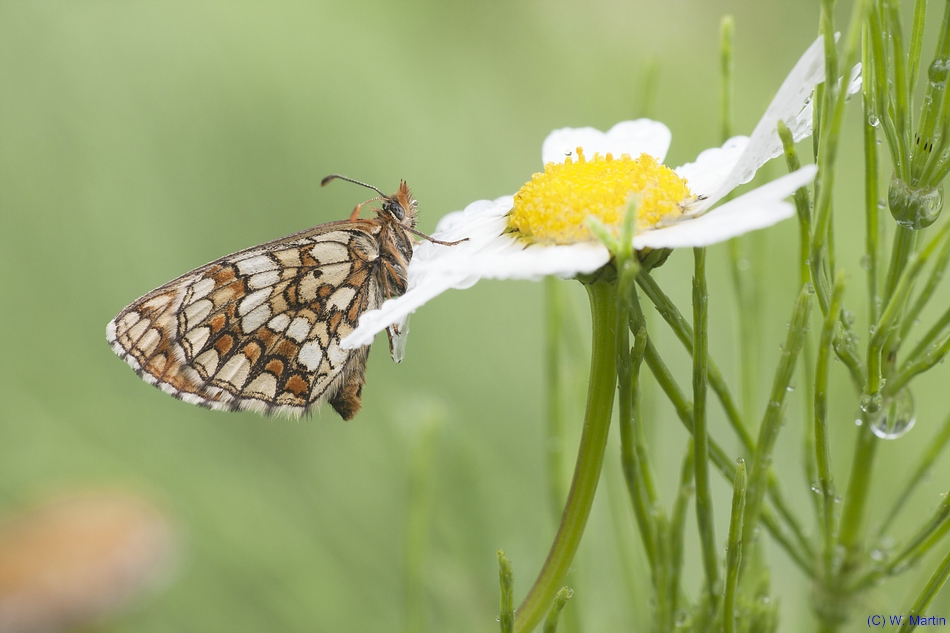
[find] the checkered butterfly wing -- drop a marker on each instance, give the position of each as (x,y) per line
(261,329)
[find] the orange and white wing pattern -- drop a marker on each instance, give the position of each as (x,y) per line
(261,329)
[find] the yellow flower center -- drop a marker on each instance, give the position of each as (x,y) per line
(552,207)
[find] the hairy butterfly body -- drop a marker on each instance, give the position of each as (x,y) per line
(260,329)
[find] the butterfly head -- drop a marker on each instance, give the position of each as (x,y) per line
(401,206)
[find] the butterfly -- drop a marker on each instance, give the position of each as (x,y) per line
(260,329)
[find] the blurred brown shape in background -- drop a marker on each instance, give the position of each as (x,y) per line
(71,561)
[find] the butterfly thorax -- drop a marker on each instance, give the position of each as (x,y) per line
(397,217)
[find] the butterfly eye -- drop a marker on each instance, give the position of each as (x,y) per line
(396,209)
(393,208)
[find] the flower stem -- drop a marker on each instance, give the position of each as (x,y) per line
(506,578)
(554,446)
(822,445)
(799,551)
(678,520)
(859,482)
(550,624)
(917,545)
(934,585)
(704,508)
(590,458)
(924,464)
(684,333)
(916,41)
(772,421)
(927,292)
(637,472)
(734,551)
(802,207)
(905,240)
(829,137)
(872,212)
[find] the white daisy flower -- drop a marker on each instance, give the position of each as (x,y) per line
(541,230)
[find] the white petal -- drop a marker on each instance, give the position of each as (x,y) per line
(854,81)
(508,258)
(712,166)
(789,105)
(397,309)
(756,209)
(480,209)
(642,136)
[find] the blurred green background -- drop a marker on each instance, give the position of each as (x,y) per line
(141,139)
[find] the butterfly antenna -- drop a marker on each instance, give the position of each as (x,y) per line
(432,239)
(324,182)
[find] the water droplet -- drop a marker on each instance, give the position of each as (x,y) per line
(848,317)
(873,121)
(742,264)
(866,262)
(938,72)
(914,207)
(871,402)
(898,417)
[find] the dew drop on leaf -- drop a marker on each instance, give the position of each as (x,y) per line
(896,418)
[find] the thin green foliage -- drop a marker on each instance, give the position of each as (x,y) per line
(506,579)
(734,549)
(838,556)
